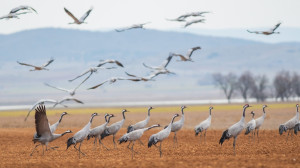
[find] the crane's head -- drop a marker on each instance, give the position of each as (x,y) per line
(111,115)
(246,106)
(64,113)
(183,107)
(94,114)
(150,108)
(252,112)
(124,110)
(264,106)
(68,131)
(106,114)
(176,115)
(211,107)
(297,105)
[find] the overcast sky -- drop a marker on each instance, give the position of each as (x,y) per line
(111,14)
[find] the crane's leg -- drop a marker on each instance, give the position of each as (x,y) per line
(174,139)
(128,145)
(234,144)
(205,136)
(43,149)
(34,149)
(253,135)
(95,143)
(257,135)
(288,136)
(160,153)
(114,140)
(132,151)
(102,144)
(141,142)
(200,135)
(78,149)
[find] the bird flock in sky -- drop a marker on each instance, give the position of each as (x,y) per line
(45,133)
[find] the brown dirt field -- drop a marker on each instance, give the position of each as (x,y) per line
(271,151)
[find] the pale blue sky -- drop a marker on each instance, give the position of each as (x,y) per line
(112,14)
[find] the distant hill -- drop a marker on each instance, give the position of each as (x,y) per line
(74,51)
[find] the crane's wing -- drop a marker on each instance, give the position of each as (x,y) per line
(22,7)
(276,26)
(49,62)
(70,99)
(94,87)
(3,17)
(167,61)
(130,75)
(26,64)
(59,88)
(83,81)
(21,13)
(72,16)
(148,66)
(41,121)
(191,50)
(181,57)
(102,63)
(85,15)
(119,63)
(80,75)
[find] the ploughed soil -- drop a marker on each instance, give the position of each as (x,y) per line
(271,151)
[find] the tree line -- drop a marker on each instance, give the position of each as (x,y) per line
(284,85)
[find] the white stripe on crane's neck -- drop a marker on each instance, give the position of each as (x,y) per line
(91,120)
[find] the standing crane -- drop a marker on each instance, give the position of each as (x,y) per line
(259,121)
(97,131)
(161,135)
(204,125)
(235,129)
(114,128)
(289,125)
(250,127)
(135,135)
(43,132)
(81,135)
(176,126)
(141,124)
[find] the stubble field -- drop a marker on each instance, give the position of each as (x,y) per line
(271,151)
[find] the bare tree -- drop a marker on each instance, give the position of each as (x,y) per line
(228,83)
(283,85)
(296,84)
(259,88)
(245,84)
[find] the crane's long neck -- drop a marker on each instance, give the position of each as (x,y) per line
(105,118)
(123,115)
(149,112)
(182,111)
(264,115)
(55,136)
(153,126)
(91,120)
(60,118)
(243,117)
(170,125)
(297,113)
(108,120)
(209,112)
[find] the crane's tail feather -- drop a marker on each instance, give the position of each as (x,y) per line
(105,134)
(151,141)
(247,131)
(122,139)
(130,128)
(225,136)
(281,129)
(197,131)
(297,128)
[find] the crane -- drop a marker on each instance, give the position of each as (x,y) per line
(259,121)
(97,131)
(135,135)
(235,129)
(204,125)
(161,135)
(176,126)
(250,127)
(81,135)
(114,128)
(43,132)
(290,124)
